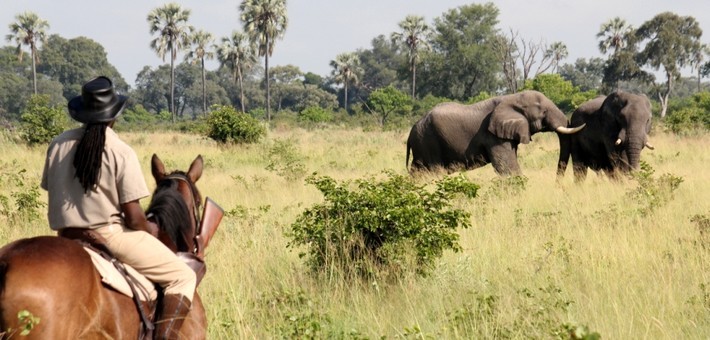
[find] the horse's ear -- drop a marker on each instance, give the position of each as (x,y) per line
(157,168)
(195,169)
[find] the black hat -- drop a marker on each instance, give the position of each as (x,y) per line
(98,102)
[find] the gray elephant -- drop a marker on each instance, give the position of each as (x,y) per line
(454,136)
(616,131)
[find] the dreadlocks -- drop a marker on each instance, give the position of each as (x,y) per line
(88,156)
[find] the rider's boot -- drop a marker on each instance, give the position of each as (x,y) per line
(173,312)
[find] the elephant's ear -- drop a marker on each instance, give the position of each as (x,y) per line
(506,123)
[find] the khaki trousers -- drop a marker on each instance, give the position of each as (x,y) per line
(150,257)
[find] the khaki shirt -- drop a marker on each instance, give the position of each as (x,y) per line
(120,181)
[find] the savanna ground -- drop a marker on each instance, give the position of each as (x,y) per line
(539,254)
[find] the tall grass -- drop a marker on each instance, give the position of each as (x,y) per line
(542,257)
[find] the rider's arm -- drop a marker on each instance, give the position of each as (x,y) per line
(135,218)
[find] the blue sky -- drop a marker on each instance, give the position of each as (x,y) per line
(319,30)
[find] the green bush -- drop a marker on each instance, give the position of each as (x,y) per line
(286,161)
(227,125)
(651,192)
(688,120)
(41,122)
(375,226)
(315,114)
(24,202)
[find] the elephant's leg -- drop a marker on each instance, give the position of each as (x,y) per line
(579,167)
(504,159)
(580,171)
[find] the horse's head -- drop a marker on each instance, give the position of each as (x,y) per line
(175,205)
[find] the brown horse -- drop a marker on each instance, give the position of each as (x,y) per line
(50,287)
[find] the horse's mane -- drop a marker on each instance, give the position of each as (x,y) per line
(170,211)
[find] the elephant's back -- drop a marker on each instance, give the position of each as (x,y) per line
(462,112)
(587,110)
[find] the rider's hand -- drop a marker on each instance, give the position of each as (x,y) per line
(152,228)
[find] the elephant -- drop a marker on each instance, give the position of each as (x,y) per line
(616,131)
(454,136)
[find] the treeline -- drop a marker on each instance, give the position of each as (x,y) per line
(462,55)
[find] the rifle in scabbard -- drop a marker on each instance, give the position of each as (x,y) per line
(211,216)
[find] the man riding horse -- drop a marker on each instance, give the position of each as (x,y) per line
(94,181)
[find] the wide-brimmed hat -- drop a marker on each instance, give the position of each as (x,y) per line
(98,102)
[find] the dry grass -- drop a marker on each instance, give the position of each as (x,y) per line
(555,252)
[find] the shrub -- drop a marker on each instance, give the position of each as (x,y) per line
(315,114)
(652,192)
(392,224)
(227,125)
(24,201)
(42,122)
(286,161)
(687,120)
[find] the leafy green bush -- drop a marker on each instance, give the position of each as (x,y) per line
(24,201)
(41,122)
(286,161)
(227,125)
(560,91)
(687,120)
(390,226)
(315,115)
(652,192)
(689,116)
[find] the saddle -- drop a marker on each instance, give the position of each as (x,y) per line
(143,292)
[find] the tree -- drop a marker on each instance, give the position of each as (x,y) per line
(462,62)
(73,62)
(201,41)
(556,52)
(381,66)
(264,22)
(237,53)
(170,23)
(346,70)
(388,100)
(585,74)
(414,35)
(287,84)
(29,30)
(670,42)
(698,60)
(614,34)
(506,50)
(617,35)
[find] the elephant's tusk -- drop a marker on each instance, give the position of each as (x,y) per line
(618,141)
(648,145)
(569,131)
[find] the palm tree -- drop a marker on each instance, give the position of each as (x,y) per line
(264,21)
(346,69)
(557,52)
(170,23)
(237,53)
(201,40)
(29,30)
(414,35)
(697,60)
(614,34)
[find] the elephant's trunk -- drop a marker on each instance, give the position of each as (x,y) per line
(568,131)
(633,152)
